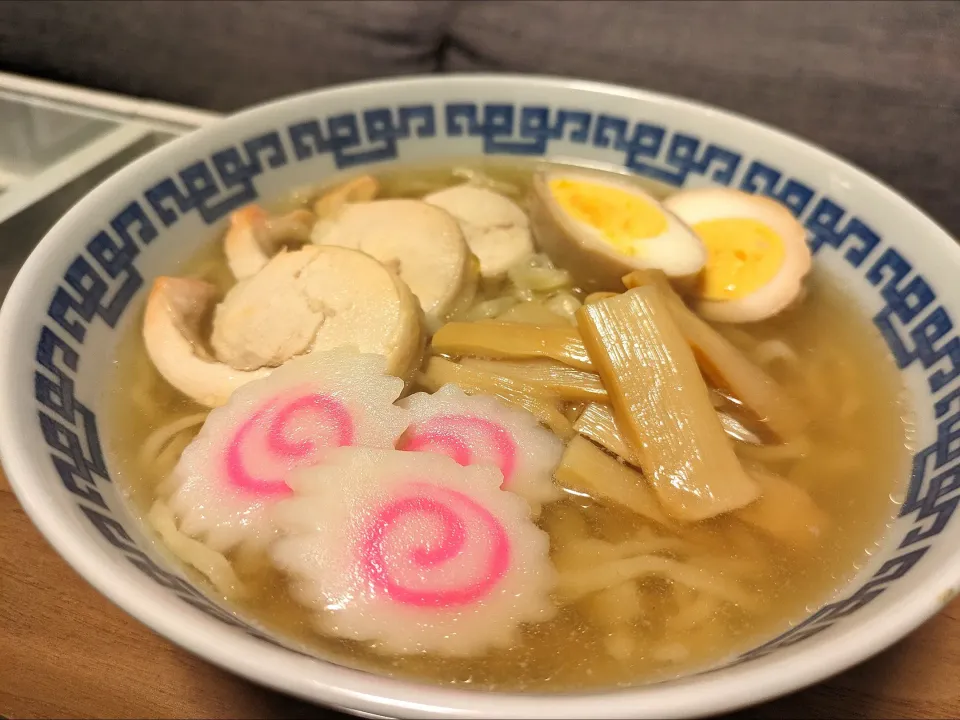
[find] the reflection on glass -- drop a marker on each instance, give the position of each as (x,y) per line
(20,233)
(32,138)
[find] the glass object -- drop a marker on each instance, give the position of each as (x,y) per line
(57,143)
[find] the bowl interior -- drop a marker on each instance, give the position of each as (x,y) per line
(85,284)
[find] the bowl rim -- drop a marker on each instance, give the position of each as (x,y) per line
(350,689)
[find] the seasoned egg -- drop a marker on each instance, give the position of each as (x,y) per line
(602,227)
(757,254)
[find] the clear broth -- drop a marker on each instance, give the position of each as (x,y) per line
(853,469)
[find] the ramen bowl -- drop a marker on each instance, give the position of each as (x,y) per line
(85,282)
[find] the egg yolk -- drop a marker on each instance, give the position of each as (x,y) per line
(743,255)
(621,216)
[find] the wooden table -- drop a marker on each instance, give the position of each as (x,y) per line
(65,651)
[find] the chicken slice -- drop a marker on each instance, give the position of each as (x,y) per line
(176,310)
(318,298)
(254,237)
(422,243)
(359,189)
(495,228)
(303,301)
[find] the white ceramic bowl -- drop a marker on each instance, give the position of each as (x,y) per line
(84,286)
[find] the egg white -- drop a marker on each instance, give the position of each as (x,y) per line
(786,286)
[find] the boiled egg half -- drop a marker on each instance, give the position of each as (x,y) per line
(757,254)
(601,227)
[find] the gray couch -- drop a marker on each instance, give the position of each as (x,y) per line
(877,82)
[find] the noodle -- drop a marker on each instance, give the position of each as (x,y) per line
(616,610)
(740,338)
(771,351)
(620,643)
(562,520)
(167,459)
(592,550)
(737,567)
(694,613)
(796,449)
(828,470)
(214,566)
(816,388)
(844,381)
(140,397)
(156,441)
(673,652)
(575,585)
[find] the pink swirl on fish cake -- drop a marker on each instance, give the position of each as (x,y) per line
(445,435)
(439,504)
(279,414)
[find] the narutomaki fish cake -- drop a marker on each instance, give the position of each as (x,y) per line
(413,553)
(482,430)
(239,463)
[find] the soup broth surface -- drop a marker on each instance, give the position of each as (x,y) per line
(824,351)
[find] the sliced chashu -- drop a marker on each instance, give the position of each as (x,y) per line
(176,311)
(495,228)
(254,237)
(318,298)
(311,299)
(422,243)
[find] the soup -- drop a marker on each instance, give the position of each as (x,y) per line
(703,439)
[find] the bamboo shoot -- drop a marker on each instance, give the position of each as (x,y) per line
(440,371)
(662,405)
(551,377)
(724,365)
(586,468)
(512,341)
(597,423)
(598,296)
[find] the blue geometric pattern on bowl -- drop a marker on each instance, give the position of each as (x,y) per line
(102,282)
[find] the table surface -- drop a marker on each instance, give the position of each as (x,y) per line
(68,652)
(65,651)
